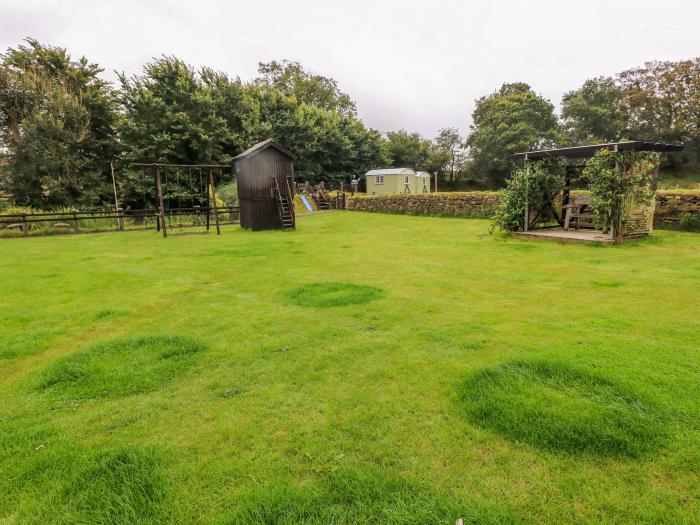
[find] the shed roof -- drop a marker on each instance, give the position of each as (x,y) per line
(581,152)
(260,146)
(392,171)
(423,174)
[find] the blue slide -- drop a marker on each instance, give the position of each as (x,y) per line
(306,203)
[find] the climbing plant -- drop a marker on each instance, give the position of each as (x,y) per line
(536,186)
(616,176)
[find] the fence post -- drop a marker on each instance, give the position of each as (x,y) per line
(120,218)
(230,214)
(196,215)
(25,225)
(76,228)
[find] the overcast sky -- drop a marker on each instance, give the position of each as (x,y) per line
(417,65)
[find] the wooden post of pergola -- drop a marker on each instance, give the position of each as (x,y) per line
(618,227)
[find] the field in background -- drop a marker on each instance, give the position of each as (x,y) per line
(688,179)
(365,368)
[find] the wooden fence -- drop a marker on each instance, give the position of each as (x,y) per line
(76,221)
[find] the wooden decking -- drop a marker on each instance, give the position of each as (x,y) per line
(562,235)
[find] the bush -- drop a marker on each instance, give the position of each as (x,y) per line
(537,187)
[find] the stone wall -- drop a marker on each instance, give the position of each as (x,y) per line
(472,204)
(677,210)
(672,209)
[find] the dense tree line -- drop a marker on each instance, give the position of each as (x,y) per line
(61,125)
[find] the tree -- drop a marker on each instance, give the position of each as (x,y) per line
(512,119)
(329,145)
(169,116)
(594,113)
(292,80)
(409,150)
(57,126)
(449,157)
(662,102)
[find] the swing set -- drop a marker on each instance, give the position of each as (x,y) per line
(191,188)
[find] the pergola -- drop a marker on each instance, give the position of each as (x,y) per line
(574,214)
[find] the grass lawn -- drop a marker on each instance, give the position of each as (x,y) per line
(365,368)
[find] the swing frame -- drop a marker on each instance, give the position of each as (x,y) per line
(159,170)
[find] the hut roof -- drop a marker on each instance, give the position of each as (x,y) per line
(260,146)
(582,152)
(392,171)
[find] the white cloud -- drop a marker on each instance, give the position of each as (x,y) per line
(408,64)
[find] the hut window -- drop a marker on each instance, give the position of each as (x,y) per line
(405,179)
(380,179)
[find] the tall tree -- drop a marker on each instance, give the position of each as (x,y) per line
(57,126)
(594,113)
(662,102)
(168,116)
(512,119)
(409,150)
(291,79)
(449,156)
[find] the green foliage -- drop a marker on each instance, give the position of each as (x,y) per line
(449,157)
(57,124)
(536,185)
(662,102)
(689,221)
(593,113)
(558,408)
(173,113)
(228,193)
(169,115)
(409,150)
(616,176)
(291,79)
(511,120)
(328,294)
(657,101)
(119,368)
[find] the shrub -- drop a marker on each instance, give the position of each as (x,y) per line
(537,184)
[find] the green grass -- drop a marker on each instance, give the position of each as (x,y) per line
(558,408)
(688,179)
(49,479)
(329,294)
(364,368)
(349,497)
(119,367)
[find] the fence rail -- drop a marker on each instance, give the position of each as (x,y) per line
(114,220)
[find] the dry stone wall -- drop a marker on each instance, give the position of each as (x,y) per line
(677,210)
(472,204)
(672,209)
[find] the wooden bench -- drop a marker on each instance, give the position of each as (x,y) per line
(579,213)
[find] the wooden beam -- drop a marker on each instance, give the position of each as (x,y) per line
(161,211)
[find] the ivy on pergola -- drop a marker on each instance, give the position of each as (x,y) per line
(621,178)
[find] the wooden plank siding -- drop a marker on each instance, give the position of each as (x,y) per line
(254,174)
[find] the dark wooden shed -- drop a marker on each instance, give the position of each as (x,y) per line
(265,177)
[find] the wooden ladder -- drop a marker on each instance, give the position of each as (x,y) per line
(323,200)
(285,205)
